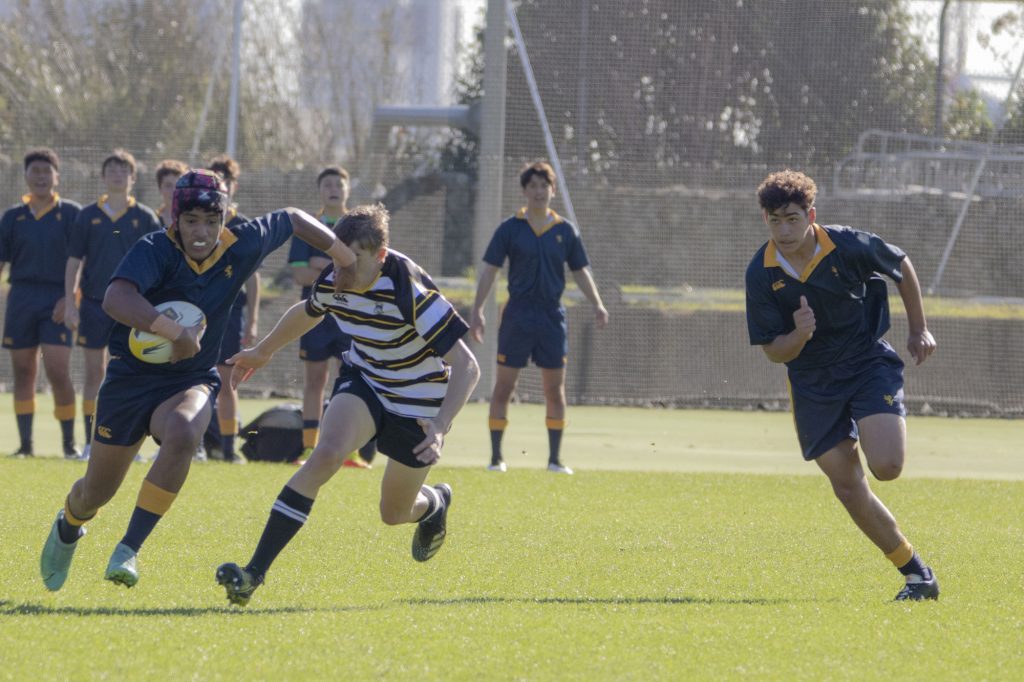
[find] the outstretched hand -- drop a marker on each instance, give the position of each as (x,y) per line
(244,363)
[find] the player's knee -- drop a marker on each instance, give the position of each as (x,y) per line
(887,470)
(180,436)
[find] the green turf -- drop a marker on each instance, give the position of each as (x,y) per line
(671,573)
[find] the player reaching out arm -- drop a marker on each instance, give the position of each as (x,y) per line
(407,376)
(203,262)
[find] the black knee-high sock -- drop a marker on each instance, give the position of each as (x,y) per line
(287,516)
(152,504)
(555,429)
(497,428)
(24,411)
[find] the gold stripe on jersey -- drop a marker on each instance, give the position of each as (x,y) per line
(393,324)
(390,343)
(440,327)
(369,320)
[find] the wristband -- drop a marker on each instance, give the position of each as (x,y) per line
(166,327)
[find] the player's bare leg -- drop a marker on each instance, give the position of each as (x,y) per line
(401,496)
(883,437)
(316,372)
(404,499)
(227,413)
(103,476)
(505,379)
(57,365)
(347,423)
(843,467)
(178,423)
(554,401)
(95,369)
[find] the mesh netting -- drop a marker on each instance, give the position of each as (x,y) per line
(665,116)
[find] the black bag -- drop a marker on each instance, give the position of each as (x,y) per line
(275,435)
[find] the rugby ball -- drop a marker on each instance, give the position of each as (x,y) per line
(155,349)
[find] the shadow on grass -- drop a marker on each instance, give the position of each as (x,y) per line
(618,601)
(8,608)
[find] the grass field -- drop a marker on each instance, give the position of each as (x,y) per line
(690,545)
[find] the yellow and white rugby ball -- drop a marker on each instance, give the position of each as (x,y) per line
(155,349)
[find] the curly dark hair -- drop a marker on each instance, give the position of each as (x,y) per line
(786,187)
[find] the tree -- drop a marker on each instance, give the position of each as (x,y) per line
(669,85)
(967,117)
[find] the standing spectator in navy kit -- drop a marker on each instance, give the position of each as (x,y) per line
(104,232)
(33,241)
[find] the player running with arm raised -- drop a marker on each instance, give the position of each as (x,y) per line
(200,261)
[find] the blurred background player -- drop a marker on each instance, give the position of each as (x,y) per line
(325,341)
(103,233)
(242,326)
(816,301)
(199,260)
(538,244)
(33,241)
(167,173)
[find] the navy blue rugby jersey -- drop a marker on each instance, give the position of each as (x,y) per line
(234,219)
(843,286)
(536,261)
(163,272)
(102,240)
(401,328)
(36,247)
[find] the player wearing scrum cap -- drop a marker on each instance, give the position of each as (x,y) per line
(201,261)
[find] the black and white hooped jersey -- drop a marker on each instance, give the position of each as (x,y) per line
(401,328)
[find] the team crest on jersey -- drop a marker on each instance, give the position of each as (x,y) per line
(378,309)
(888,399)
(835,271)
(96,221)
(778,285)
(228,272)
(341,297)
(135,222)
(558,238)
(21,217)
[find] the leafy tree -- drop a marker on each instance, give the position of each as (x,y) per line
(753,81)
(967,117)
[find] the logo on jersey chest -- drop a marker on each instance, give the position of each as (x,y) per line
(341,297)
(229,272)
(778,284)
